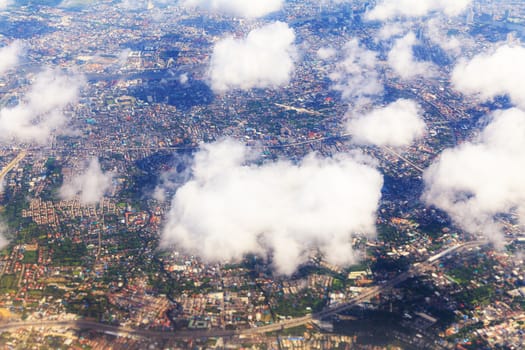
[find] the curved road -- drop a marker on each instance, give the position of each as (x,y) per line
(330,311)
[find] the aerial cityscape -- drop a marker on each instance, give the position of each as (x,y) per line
(262,174)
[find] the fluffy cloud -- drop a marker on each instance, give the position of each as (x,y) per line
(232,207)
(265,58)
(397,124)
(476,181)
(5,3)
(10,55)
(498,73)
(3,241)
(390,30)
(183,78)
(325,53)
(401,59)
(390,9)
(356,75)
(451,44)
(171,180)
(39,113)
(242,8)
(90,186)
(123,57)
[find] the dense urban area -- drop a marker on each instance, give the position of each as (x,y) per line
(84,269)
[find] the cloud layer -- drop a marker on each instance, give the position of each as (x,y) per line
(397,124)
(325,53)
(356,75)
(478,180)
(89,186)
(3,241)
(10,55)
(501,72)
(5,3)
(390,9)
(265,58)
(39,113)
(231,207)
(401,59)
(170,180)
(242,8)
(452,44)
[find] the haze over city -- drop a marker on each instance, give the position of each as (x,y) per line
(264,174)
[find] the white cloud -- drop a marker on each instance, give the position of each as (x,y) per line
(501,72)
(123,57)
(478,180)
(39,113)
(9,58)
(242,8)
(152,12)
(125,4)
(3,240)
(173,178)
(390,9)
(5,4)
(73,4)
(390,30)
(325,53)
(232,207)
(265,58)
(10,55)
(401,59)
(397,124)
(356,75)
(451,44)
(90,186)
(183,78)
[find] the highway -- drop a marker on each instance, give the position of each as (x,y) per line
(370,293)
(196,147)
(298,109)
(399,156)
(122,331)
(12,164)
(291,323)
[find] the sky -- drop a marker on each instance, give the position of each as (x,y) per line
(233,206)
(241,8)
(398,124)
(265,58)
(89,186)
(244,201)
(39,111)
(231,201)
